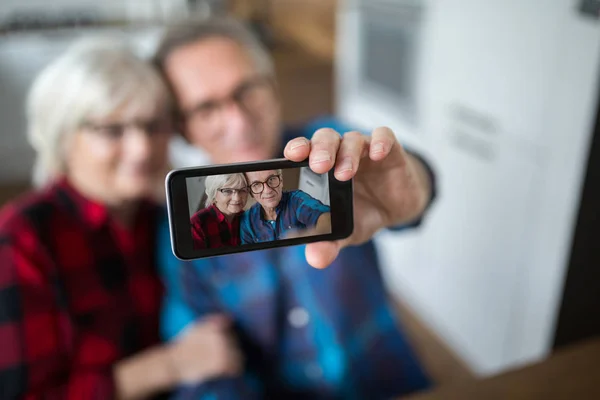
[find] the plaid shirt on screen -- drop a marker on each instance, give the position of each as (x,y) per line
(78,292)
(211,230)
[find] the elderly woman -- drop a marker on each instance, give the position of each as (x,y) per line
(218,225)
(79,291)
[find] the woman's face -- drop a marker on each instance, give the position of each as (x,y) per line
(231,198)
(121,157)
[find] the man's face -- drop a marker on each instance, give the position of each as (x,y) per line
(266,187)
(229,109)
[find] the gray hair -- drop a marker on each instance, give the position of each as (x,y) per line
(278,171)
(94,78)
(193,30)
(216,182)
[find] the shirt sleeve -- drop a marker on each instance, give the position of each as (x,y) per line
(35,362)
(198,298)
(246,388)
(188,298)
(434,190)
(198,237)
(176,315)
(308,209)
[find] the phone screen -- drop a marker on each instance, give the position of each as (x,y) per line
(257,207)
(242,207)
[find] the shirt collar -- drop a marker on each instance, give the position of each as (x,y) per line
(219,214)
(93,213)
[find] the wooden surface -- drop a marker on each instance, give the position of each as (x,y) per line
(9,191)
(305,84)
(571,373)
(441,364)
(308,23)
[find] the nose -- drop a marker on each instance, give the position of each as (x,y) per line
(268,190)
(235,195)
(239,122)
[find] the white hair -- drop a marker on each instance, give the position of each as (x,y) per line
(193,30)
(277,171)
(216,182)
(94,78)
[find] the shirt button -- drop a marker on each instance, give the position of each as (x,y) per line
(298,317)
(313,371)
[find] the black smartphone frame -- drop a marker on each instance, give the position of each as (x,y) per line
(340,198)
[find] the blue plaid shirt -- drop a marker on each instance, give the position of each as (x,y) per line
(305,333)
(296,210)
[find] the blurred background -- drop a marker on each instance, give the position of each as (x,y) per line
(500,96)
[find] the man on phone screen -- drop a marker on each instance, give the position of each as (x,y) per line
(281,214)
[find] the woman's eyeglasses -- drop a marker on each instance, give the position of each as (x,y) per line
(116,131)
(230,192)
(273,182)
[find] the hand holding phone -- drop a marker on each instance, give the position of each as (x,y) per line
(376,182)
(391,187)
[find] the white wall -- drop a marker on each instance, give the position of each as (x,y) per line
(138,10)
(486,271)
(316,185)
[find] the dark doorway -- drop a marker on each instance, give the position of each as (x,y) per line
(579,315)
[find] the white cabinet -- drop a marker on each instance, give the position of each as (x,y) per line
(315,185)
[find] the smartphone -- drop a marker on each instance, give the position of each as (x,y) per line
(233,208)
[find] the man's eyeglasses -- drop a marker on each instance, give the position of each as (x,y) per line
(273,182)
(115,131)
(230,192)
(250,96)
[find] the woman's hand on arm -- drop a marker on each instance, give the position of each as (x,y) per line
(205,351)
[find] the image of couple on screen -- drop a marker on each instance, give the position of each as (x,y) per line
(277,214)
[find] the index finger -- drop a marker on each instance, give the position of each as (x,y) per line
(321,150)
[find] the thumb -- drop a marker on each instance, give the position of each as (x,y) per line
(320,255)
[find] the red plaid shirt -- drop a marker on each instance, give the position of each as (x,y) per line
(77,293)
(211,230)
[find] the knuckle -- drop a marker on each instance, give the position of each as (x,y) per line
(353,135)
(326,132)
(326,136)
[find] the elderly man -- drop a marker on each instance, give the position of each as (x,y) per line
(309,333)
(278,214)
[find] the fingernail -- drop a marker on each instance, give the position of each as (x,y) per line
(298,143)
(345,165)
(377,148)
(321,156)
